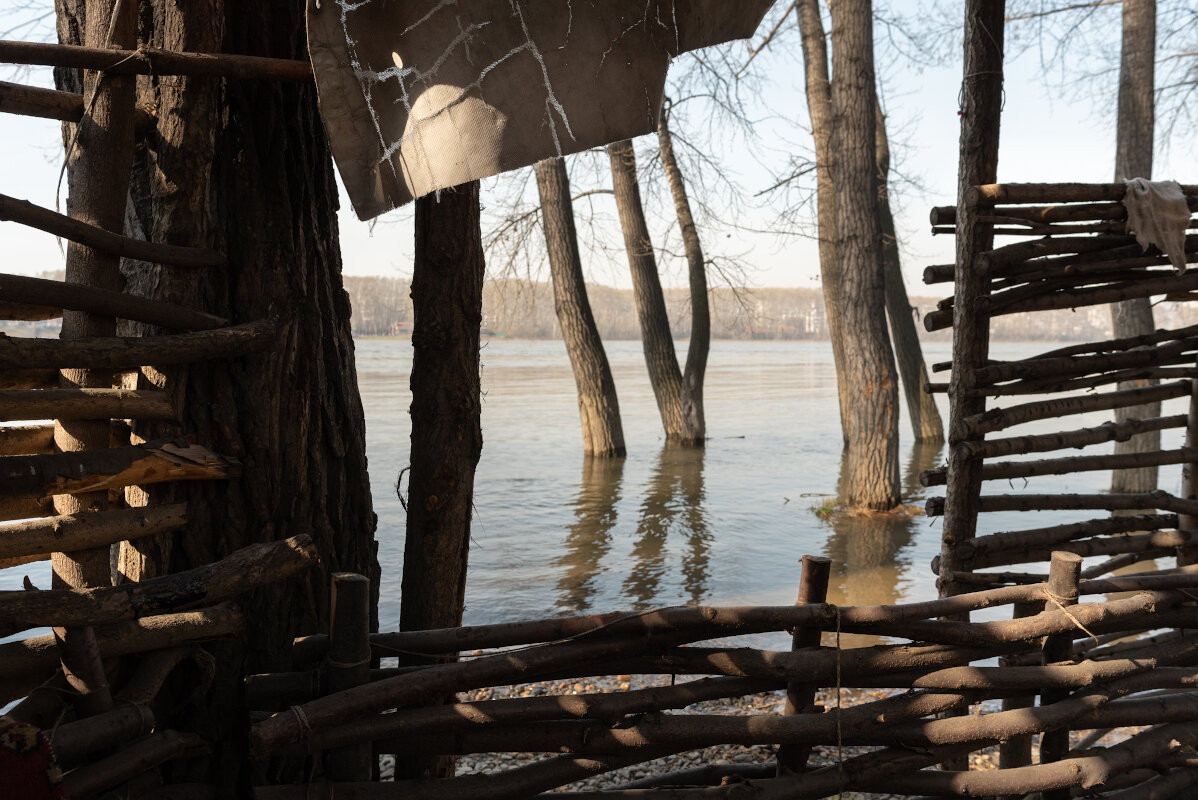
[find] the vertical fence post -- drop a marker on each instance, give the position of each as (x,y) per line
(348,664)
(1017,750)
(813,588)
(1188,554)
(1063,573)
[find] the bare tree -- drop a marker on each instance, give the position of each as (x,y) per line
(872,479)
(598,407)
(921,406)
(1133,159)
(681,418)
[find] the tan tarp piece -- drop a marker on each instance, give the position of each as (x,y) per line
(420,95)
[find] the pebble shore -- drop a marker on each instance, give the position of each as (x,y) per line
(769,703)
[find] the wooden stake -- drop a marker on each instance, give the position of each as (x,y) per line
(813,588)
(348,665)
(1064,571)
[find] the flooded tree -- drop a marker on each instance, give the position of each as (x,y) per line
(680,408)
(926,424)
(447,285)
(1133,159)
(598,407)
(872,422)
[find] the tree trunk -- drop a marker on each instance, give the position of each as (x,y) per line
(700,342)
(598,407)
(244,167)
(819,105)
(664,373)
(1133,159)
(447,439)
(921,406)
(872,457)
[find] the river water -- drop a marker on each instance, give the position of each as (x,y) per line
(554,533)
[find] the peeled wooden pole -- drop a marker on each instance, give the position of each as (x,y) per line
(1052,534)
(1005,470)
(26,440)
(1108,431)
(98,403)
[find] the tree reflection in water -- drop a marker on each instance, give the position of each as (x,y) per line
(589,537)
(674,503)
(868,566)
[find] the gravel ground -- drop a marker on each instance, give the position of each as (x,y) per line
(724,754)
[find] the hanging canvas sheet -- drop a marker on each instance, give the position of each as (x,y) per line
(420,95)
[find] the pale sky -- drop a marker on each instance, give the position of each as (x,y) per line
(1044,139)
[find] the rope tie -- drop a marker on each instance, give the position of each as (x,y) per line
(305,727)
(1056,601)
(345,664)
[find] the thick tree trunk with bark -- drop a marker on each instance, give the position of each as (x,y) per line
(244,167)
(447,439)
(819,105)
(921,406)
(598,407)
(700,341)
(664,372)
(1133,159)
(872,456)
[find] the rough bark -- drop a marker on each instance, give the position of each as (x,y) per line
(819,105)
(981,112)
(872,451)
(446,404)
(664,372)
(598,406)
(921,406)
(243,167)
(700,342)
(1133,159)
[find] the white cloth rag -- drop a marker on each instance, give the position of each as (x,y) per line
(1157,213)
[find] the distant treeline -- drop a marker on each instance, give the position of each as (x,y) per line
(524,310)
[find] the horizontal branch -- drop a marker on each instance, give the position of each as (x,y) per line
(94,470)
(26,213)
(1056,534)
(236,574)
(26,313)
(1042,193)
(131,352)
(34,101)
(1069,502)
(153,61)
(88,530)
(38,378)
(21,440)
(1054,386)
(1082,437)
(1076,365)
(80,297)
(1105,546)
(40,653)
(141,404)
(996,419)
(1006,470)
